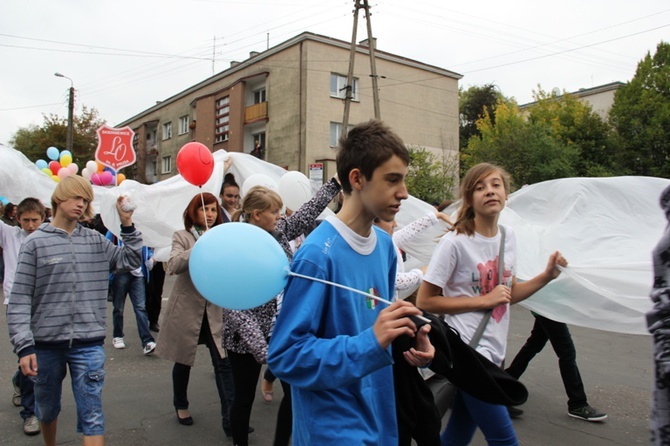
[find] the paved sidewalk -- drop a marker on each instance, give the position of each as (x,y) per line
(617,371)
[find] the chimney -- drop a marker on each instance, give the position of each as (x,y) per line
(253,54)
(366,42)
(234,63)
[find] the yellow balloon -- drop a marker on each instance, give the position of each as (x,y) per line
(65,160)
(55,178)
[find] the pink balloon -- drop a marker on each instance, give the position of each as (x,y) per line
(73,168)
(96,179)
(106,177)
(63,172)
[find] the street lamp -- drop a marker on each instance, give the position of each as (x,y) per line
(70,112)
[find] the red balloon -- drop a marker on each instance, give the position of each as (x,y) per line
(54,166)
(195,163)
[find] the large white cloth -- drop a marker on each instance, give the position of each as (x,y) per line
(605,227)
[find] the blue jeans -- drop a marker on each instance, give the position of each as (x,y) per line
(88,376)
(468,413)
(559,335)
(123,284)
(27,394)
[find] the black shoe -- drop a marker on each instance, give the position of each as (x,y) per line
(188,421)
(154,328)
(229,433)
(514,412)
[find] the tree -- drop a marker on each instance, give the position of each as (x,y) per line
(33,141)
(574,123)
(430,179)
(526,149)
(641,116)
(472,104)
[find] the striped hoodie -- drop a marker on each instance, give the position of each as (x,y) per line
(59,296)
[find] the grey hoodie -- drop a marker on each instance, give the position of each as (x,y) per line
(59,296)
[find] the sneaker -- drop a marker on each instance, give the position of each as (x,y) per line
(587,413)
(31,425)
(149,348)
(118,343)
(514,412)
(16,397)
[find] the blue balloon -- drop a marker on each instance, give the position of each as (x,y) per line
(238,266)
(4,200)
(53,153)
(65,153)
(41,164)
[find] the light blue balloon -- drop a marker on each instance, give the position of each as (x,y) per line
(41,164)
(4,201)
(65,153)
(53,153)
(238,266)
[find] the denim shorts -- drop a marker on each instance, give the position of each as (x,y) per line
(88,375)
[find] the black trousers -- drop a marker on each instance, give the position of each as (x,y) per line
(558,334)
(154,292)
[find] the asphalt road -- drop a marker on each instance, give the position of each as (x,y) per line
(617,371)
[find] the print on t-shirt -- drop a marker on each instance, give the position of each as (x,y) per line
(487,281)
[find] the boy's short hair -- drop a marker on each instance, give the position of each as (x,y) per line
(366,147)
(73,186)
(30,204)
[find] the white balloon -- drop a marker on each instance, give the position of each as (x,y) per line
(259,179)
(86,173)
(295,189)
(92,166)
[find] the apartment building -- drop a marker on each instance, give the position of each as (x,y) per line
(289,98)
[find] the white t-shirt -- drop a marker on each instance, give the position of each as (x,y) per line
(465,266)
(11,238)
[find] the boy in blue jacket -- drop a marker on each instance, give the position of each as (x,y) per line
(57,307)
(333,345)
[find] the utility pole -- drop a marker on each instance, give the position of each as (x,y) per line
(70,113)
(358,4)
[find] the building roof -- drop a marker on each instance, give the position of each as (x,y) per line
(584,92)
(256,57)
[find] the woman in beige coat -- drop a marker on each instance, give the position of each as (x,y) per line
(190,320)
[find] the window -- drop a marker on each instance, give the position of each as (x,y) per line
(183,124)
(336,132)
(166,164)
(222,119)
(338,84)
(167,130)
(259,96)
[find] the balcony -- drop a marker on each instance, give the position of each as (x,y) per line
(256,112)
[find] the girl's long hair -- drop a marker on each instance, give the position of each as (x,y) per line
(465,219)
(258,198)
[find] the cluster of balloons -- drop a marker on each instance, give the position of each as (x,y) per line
(100,175)
(60,166)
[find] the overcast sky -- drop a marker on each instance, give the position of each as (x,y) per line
(123,55)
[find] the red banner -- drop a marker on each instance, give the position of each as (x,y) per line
(115,147)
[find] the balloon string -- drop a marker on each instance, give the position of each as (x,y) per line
(204,213)
(354,290)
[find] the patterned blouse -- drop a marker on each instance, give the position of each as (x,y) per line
(248,331)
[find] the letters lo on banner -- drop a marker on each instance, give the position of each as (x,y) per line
(115,147)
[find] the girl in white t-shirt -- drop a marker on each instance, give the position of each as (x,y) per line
(461,283)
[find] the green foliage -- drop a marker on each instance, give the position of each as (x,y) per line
(641,117)
(33,141)
(430,179)
(527,150)
(555,138)
(473,103)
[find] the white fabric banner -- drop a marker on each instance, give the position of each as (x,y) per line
(605,227)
